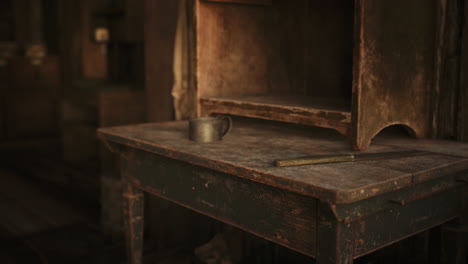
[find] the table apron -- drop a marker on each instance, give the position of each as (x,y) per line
(393,224)
(278,215)
(291,219)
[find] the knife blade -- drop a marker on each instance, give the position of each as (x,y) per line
(346,157)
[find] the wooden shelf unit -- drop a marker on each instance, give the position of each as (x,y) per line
(372,59)
(302,110)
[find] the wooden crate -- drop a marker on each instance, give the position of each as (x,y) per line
(353,66)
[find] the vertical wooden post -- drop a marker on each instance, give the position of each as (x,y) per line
(28,22)
(455,236)
(133,207)
(37,34)
(463,98)
(335,240)
(446,89)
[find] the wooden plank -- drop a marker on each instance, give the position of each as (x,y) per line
(3,89)
(406,221)
(463,100)
(248,2)
(445,147)
(281,216)
(393,200)
(426,167)
(342,183)
(393,68)
(133,212)
(446,89)
(294,109)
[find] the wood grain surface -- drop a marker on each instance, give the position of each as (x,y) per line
(251,147)
(307,110)
(393,67)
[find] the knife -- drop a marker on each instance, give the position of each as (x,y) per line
(347,157)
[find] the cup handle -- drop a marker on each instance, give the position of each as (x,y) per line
(228,126)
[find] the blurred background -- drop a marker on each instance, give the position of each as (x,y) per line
(68,67)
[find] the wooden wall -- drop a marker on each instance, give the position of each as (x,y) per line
(446,87)
(160,29)
(7,32)
(463,98)
(30,92)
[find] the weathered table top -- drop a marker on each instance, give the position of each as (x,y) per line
(249,150)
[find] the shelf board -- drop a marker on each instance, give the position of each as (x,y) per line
(245,2)
(323,112)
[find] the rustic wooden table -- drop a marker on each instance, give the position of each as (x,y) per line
(332,212)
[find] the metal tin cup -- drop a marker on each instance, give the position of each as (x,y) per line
(209,129)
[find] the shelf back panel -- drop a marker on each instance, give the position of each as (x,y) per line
(296,47)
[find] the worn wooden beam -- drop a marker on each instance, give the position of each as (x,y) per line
(133,209)
(445,95)
(249,2)
(70,41)
(463,99)
(335,239)
(94,57)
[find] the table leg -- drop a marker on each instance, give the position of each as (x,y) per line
(335,240)
(455,237)
(133,204)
